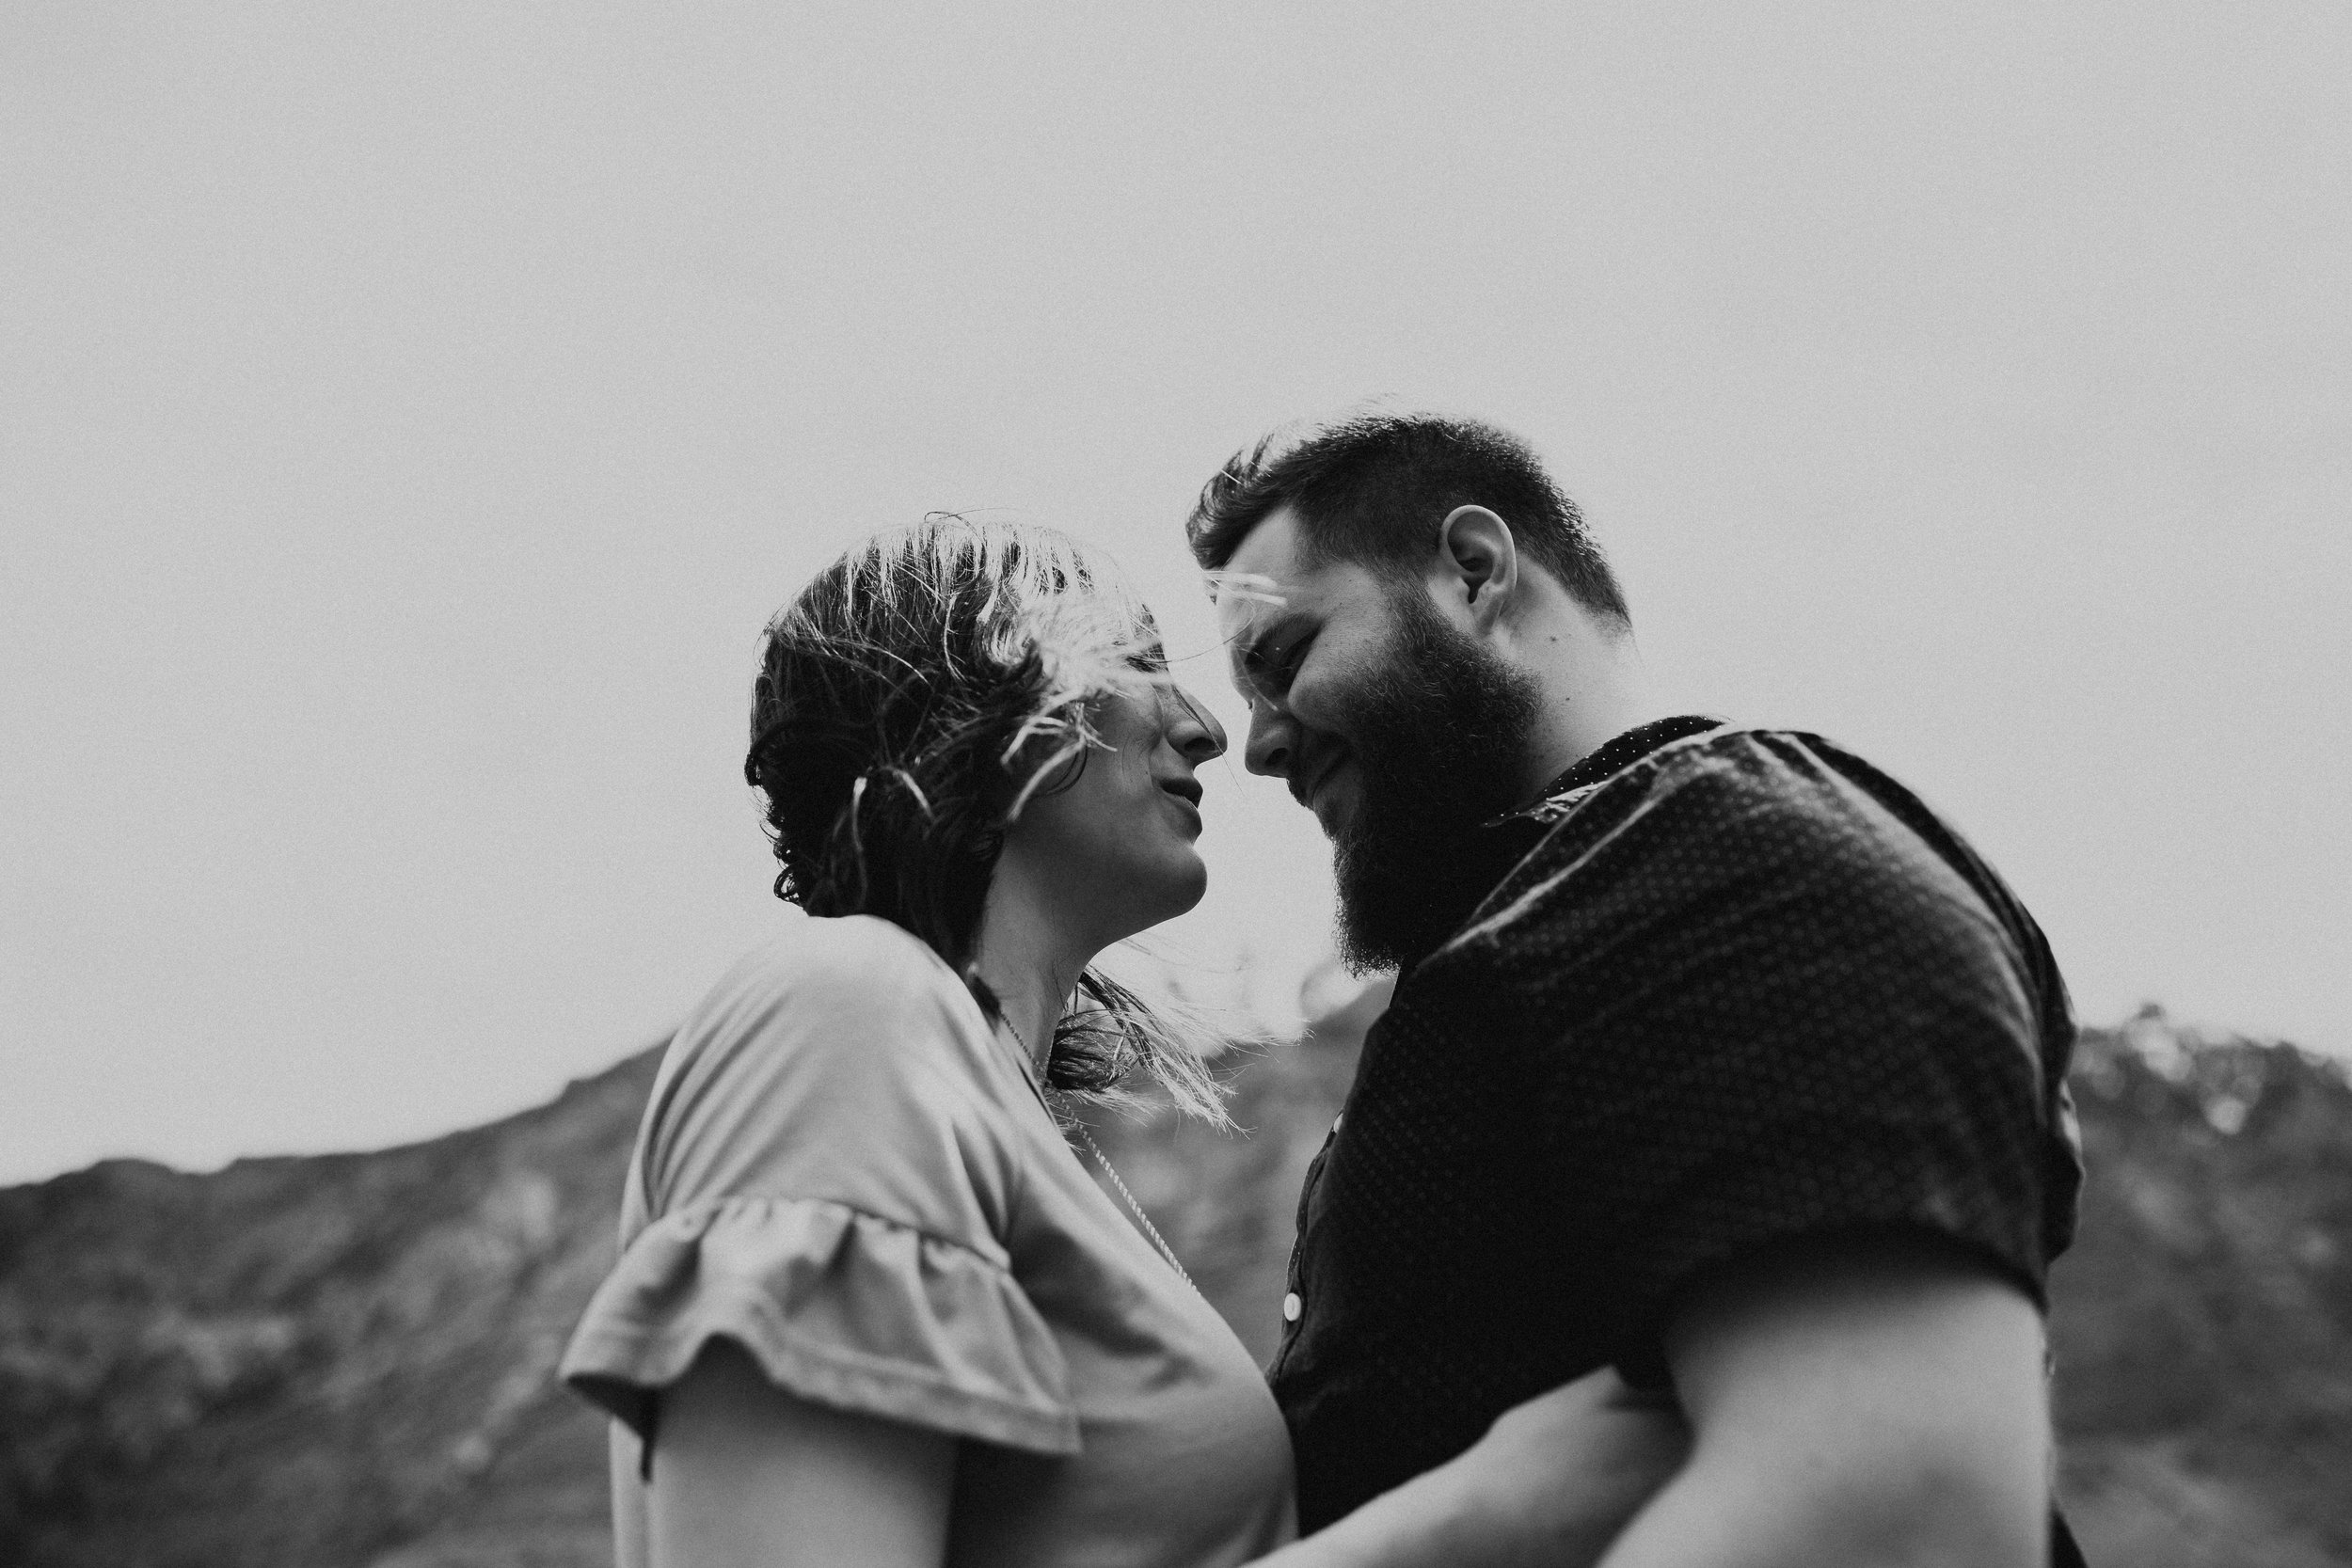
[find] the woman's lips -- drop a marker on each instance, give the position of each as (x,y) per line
(1187,802)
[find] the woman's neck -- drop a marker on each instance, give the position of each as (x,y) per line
(1030,965)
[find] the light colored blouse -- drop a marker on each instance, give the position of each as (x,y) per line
(843,1170)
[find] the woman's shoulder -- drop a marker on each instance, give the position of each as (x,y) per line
(839,1011)
(855,970)
(830,1046)
(826,1176)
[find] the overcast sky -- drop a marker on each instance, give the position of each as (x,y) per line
(410,414)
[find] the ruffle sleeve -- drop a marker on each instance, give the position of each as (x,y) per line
(835,1305)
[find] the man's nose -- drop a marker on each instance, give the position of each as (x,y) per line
(1272,737)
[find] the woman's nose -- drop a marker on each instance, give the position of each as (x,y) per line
(1193,730)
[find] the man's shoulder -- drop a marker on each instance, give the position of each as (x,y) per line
(1735,826)
(1723,787)
(1747,759)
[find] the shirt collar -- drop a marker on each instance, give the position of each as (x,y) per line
(1605,762)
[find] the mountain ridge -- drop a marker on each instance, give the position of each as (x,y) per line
(348,1359)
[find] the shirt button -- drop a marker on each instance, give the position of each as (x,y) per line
(1289,1308)
(1335,1122)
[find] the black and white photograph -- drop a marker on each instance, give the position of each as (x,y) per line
(1062,787)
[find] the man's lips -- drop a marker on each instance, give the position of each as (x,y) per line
(1305,794)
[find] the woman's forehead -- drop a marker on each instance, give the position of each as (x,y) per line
(1128,622)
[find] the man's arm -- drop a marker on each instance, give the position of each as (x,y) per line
(1865,1401)
(1549,1486)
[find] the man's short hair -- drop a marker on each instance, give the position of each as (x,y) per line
(1375,487)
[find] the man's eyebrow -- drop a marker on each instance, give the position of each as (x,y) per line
(1249,643)
(1226,583)
(1251,588)
(1254,644)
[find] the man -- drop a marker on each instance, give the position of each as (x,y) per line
(1715,1056)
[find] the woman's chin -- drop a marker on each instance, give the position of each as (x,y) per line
(1169,891)
(1195,887)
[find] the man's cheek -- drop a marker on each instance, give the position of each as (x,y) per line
(1323,709)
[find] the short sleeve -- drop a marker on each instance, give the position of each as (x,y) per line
(1796,1016)
(826,1176)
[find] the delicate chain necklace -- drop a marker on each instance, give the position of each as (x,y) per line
(1027,1059)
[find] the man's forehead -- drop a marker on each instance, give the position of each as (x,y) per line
(1247,599)
(1276,548)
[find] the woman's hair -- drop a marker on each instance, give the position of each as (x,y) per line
(914,698)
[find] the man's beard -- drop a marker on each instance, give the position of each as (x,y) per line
(1439,735)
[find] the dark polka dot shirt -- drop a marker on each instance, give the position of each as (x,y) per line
(1741,989)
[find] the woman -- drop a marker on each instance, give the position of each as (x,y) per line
(871,1307)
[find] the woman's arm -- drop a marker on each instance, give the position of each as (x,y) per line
(748,1475)
(1553,1483)
(622,1456)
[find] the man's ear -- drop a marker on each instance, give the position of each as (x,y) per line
(1478,563)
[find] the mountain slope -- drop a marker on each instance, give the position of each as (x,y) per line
(2203,1320)
(346,1359)
(301,1360)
